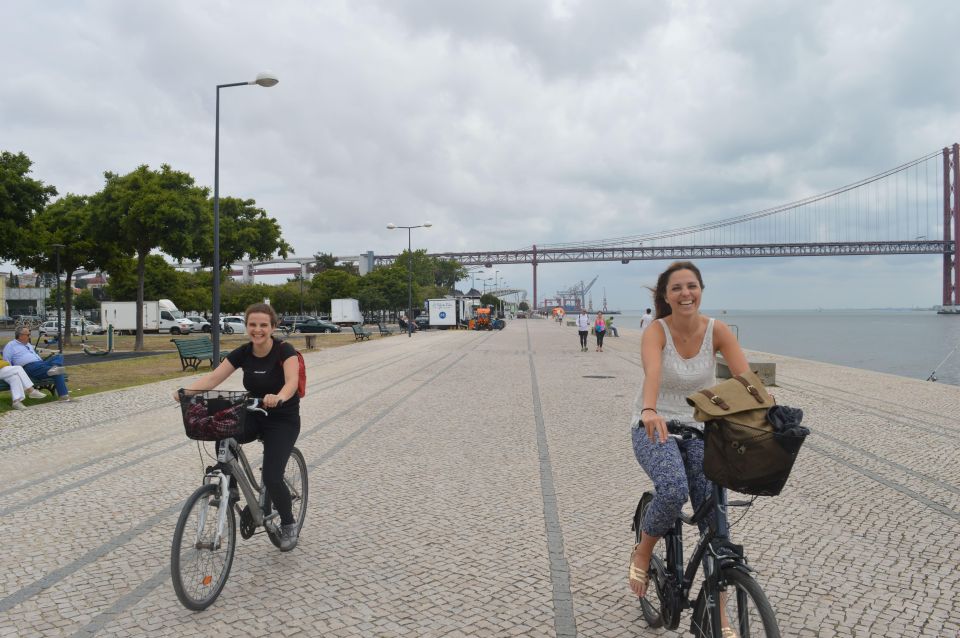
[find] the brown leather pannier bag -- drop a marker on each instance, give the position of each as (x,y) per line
(742,451)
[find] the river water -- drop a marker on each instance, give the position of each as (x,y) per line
(909,343)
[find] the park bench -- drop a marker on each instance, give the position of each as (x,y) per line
(384,331)
(43,383)
(359,334)
(195,350)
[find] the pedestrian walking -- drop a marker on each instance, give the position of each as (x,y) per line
(645,320)
(583,327)
(599,329)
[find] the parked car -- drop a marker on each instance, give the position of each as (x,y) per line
(199,324)
(290,320)
(49,328)
(422,322)
(181,326)
(233,324)
(315,325)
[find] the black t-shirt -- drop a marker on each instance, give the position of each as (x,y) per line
(264,375)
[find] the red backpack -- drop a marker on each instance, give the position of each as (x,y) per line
(302,376)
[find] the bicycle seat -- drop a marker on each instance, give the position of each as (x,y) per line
(684,432)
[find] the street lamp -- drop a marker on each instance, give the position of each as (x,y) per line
(56,250)
(393,226)
(263,79)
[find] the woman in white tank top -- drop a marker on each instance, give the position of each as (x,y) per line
(679,358)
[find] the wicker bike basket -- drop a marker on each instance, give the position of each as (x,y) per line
(211,415)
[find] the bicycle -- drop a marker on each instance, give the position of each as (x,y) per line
(204,540)
(728,579)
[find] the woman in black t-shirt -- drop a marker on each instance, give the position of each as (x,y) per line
(270,372)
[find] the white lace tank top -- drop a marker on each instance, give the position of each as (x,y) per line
(679,378)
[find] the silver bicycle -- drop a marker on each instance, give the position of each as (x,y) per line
(205,537)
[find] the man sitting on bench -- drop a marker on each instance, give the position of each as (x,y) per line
(20,352)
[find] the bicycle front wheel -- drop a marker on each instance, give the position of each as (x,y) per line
(743,607)
(198,567)
(295,477)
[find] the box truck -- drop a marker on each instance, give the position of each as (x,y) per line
(345,312)
(444,313)
(158,316)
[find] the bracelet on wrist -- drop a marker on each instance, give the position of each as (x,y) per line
(654,410)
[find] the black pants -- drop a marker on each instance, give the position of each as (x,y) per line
(279,433)
(583,338)
(600,334)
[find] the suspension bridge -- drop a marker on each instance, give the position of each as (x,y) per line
(911,209)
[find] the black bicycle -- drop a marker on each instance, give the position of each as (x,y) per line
(205,538)
(730,603)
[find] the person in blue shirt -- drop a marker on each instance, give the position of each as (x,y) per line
(20,352)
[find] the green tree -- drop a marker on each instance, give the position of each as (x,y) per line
(327,261)
(160,280)
(85,300)
(489,300)
(245,231)
(386,289)
(334,284)
(447,272)
(65,222)
(21,197)
(146,210)
(524,306)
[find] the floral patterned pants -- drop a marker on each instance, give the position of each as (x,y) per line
(676,469)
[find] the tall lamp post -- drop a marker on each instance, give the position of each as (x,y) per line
(56,250)
(393,226)
(263,79)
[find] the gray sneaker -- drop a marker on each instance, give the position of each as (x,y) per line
(288,537)
(56,371)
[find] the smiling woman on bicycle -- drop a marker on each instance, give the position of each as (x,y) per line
(270,372)
(678,351)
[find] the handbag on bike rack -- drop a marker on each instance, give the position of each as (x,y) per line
(213,415)
(743,451)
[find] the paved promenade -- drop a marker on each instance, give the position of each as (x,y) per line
(477,484)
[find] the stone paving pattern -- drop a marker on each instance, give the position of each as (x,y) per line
(426,513)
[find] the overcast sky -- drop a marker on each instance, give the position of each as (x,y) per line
(505,123)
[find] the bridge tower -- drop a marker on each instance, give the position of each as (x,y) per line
(951,225)
(534,277)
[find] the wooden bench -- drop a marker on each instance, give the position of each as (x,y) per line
(196,350)
(384,331)
(359,334)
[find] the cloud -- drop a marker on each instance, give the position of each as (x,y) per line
(505,123)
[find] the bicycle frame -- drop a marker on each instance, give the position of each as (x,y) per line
(714,550)
(231,461)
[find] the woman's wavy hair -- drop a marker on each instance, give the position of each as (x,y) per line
(660,292)
(265,308)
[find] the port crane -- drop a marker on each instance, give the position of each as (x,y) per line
(575,295)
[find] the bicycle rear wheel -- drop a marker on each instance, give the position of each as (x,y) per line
(295,476)
(199,569)
(745,609)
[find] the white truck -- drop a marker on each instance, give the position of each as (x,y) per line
(444,313)
(158,316)
(345,312)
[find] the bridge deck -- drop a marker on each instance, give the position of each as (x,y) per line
(468,483)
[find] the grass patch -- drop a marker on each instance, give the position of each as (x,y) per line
(103,376)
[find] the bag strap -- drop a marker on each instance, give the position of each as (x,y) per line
(718,401)
(714,399)
(750,388)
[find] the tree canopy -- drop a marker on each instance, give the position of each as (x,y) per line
(21,197)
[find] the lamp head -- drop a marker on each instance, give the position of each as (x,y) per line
(392,226)
(266,79)
(427,224)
